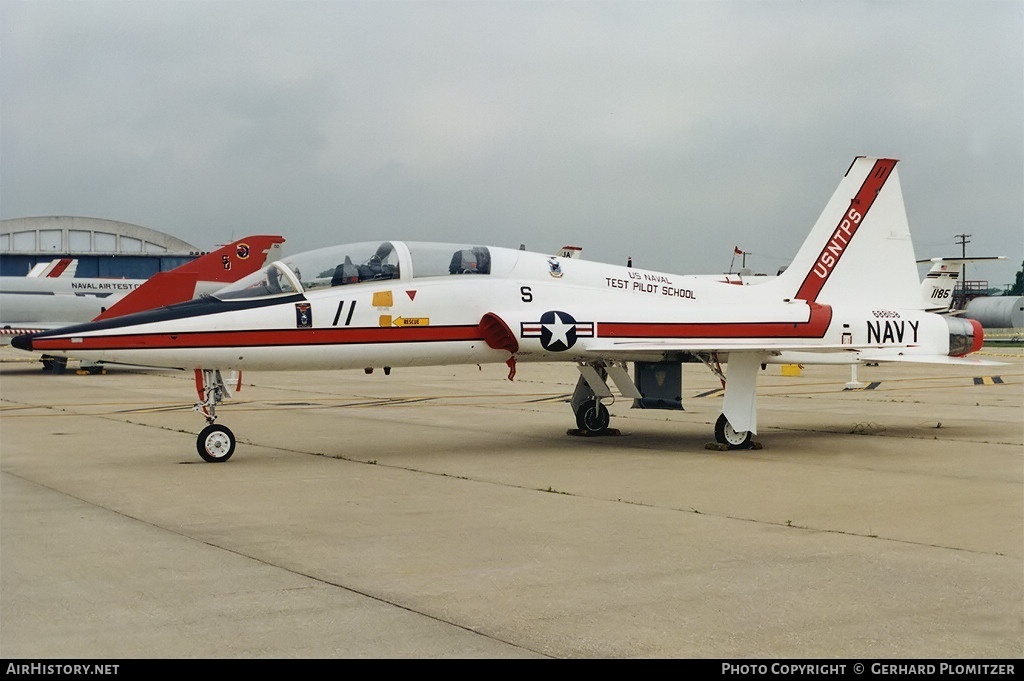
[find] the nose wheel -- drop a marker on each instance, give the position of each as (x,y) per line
(216,443)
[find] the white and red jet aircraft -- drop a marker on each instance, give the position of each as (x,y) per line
(850,295)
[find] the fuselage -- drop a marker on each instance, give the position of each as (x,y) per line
(394,304)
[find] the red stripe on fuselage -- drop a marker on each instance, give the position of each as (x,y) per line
(844,232)
(261,338)
(815,327)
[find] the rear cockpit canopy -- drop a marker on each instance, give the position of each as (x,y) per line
(359,263)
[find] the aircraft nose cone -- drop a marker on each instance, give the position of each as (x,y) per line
(23,342)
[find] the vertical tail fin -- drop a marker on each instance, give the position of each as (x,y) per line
(217,268)
(938,284)
(60,267)
(860,248)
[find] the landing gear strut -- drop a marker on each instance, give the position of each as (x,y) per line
(592,417)
(216,443)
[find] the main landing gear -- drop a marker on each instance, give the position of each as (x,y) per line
(726,435)
(216,443)
(592,417)
(740,399)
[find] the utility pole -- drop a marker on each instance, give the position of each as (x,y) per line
(964,240)
(963,244)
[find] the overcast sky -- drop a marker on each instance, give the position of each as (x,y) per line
(666,131)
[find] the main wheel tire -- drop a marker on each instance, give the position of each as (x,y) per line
(216,443)
(593,418)
(727,435)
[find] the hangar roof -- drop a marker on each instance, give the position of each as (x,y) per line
(83,235)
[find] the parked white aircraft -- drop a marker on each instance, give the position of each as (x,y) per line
(940,281)
(852,293)
(50,296)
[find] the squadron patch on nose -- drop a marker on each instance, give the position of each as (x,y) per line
(303,316)
(557,330)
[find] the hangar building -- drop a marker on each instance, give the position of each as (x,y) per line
(104,248)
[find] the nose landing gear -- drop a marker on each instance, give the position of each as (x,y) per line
(216,443)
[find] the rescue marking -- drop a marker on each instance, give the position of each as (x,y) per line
(411,321)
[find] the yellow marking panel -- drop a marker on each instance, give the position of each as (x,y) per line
(411,321)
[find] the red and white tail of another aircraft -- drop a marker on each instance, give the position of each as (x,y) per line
(52,297)
(58,267)
(940,281)
(851,295)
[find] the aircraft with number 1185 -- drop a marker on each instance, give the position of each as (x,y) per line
(851,294)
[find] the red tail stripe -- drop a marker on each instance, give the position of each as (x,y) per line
(845,230)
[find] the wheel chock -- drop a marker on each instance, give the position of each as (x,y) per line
(719,447)
(576,432)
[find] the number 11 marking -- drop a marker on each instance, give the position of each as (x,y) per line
(341,306)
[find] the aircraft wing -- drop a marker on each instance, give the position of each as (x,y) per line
(704,345)
(929,359)
(809,354)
